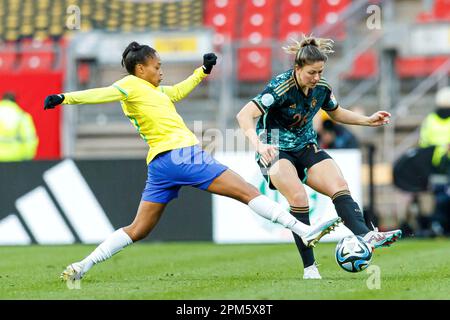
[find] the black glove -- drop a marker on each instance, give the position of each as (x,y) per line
(53,100)
(209,60)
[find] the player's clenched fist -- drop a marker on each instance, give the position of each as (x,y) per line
(209,60)
(53,100)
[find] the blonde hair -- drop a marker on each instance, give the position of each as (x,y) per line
(310,50)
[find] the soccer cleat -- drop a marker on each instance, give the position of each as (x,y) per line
(382,239)
(72,272)
(311,272)
(317,232)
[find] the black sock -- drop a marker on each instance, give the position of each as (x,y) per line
(306,253)
(350,212)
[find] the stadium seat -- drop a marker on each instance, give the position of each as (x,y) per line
(441,10)
(364,66)
(221,15)
(295,19)
(416,67)
(36,61)
(328,13)
(425,17)
(257,21)
(254,64)
(36,55)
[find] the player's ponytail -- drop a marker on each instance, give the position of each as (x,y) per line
(136,54)
(310,50)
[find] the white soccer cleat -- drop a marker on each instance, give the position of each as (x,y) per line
(72,272)
(379,239)
(317,232)
(311,272)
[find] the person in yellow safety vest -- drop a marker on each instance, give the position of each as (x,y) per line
(18,140)
(435,131)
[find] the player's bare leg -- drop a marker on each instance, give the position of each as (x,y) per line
(284,177)
(326,177)
(234,186)
(147,217)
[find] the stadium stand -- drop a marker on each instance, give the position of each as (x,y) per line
(51,18)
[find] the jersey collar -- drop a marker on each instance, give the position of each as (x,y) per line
(298,86)
(144,82)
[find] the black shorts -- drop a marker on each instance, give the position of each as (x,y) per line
(302,161)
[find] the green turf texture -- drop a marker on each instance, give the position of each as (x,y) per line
(410,269)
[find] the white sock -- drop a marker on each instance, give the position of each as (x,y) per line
(271,210)
(113,244)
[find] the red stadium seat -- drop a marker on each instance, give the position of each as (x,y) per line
(36,61)
(295,19)
(254,64)
(328,13)
(439,13)
(410,67)
(36,55)
(441,10)
(425,17)
(258,20)
(364,66)
(221,15)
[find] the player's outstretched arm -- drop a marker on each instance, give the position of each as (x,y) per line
(181,90)
(98,95)
(345,116)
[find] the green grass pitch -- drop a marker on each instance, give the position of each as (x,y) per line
(410,269)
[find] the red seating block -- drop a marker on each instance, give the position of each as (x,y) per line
(441,10)
(364,66)
(410,67)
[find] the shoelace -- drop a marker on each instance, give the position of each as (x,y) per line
(373,227)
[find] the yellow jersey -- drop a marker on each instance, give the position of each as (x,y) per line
(150,109)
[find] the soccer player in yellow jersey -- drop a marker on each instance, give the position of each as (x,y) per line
(174,158)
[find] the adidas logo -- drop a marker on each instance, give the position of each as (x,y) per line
(48,222)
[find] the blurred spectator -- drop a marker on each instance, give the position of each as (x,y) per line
(18,140)
(335,136)
(435,131)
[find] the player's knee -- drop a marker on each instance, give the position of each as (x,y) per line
(340,185)
(298,199)
(249,193)
(136,233)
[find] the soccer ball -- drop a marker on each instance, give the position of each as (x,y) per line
(353,254)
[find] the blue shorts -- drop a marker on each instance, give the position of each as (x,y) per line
(169,171)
